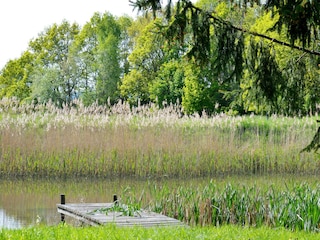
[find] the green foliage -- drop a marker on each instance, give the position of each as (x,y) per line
(267,76)
(14,78)
(312,91)
(45,86)
(209,56)
(293,94)
(192,91)
(216,40)
(126,43)
(145,60)
(301,18)
(283,89)
(129,210)
(134,87)
(109,71)
(228,64)
(83,53)
(96,53)
(168,85)
(55,75)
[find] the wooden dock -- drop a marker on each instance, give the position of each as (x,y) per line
(95,214)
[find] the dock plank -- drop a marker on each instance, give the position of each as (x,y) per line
(89,213)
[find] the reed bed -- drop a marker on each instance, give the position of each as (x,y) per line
(295,207)
(145,141)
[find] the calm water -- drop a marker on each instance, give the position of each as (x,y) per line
(30,202)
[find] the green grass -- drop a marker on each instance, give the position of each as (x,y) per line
(112,232)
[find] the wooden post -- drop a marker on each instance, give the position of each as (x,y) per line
(62,201)
(115,199)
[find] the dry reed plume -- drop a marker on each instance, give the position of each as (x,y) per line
(144,141)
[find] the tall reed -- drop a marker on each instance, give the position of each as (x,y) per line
(294,208)
(144,141)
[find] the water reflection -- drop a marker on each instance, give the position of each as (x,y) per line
(8,221)
(28,202)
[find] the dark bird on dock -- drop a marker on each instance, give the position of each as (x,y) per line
(315,143)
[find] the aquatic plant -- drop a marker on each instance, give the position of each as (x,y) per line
(295,208)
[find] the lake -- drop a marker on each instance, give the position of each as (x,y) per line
(27,202)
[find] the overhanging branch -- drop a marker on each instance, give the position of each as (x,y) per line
(276,41)
(255,33)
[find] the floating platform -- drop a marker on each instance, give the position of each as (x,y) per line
(96,214)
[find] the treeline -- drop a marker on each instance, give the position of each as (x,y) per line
(120,58)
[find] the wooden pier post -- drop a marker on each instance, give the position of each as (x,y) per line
(115,199)
(63,202)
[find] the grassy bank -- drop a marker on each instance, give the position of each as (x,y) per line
(111,232)
(96,141)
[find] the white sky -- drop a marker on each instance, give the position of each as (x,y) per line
(22,20)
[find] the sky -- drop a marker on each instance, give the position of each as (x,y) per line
(23,20)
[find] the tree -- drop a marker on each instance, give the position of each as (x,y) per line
(222,43)
(14,77)
(126,43)
(192,91)
(168,84)
(108,59)
(299,19)
(134,88)
(46,85)
(55,74)
(145,60)
(83,53)
(97,53)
